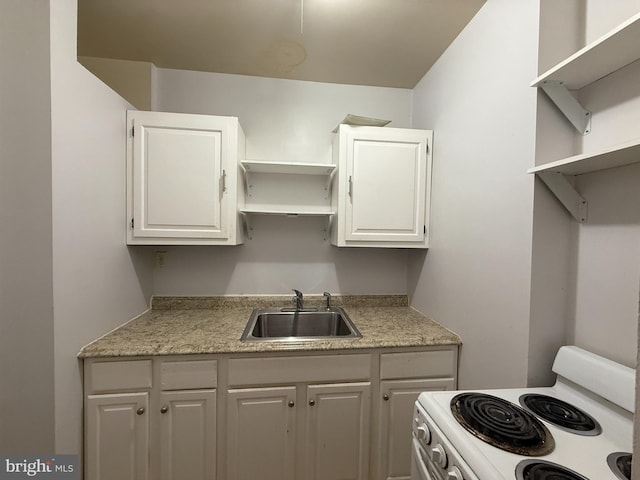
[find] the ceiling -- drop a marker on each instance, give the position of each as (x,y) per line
(390,43)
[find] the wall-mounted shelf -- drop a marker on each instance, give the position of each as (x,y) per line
(287,189)
(254,166)
(553,173)
(246,213)
(288,212)
(611,52)
(616,156)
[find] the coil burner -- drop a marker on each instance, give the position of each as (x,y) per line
(562,414)
(543,470)
(620,464)
(502,424)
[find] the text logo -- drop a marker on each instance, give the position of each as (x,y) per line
(54,467)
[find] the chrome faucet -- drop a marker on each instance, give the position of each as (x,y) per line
(299,301)
(328,295)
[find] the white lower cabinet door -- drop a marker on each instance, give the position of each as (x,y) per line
(261,433)
(188,435)
(117,439)
(337,446)
(396,414)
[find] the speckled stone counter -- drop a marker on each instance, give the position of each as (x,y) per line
(206,325)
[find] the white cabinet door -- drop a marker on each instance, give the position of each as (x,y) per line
(182,177)
(396,414)
(117,438)
(384,183)
(261,433)
(338,431)
(188,435)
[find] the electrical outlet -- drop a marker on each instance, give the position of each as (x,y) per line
(161,259)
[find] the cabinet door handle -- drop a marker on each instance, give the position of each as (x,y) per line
(224,180)
(164,409)
(312,402)
(291,404)
(385,397)
(350,187)
(140,411)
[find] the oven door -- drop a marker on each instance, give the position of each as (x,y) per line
(418,463)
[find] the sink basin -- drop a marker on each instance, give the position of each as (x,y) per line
(282,325)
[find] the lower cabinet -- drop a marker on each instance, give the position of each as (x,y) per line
(337,439)
(396,415)
(261,433)
(166,431)
(271,417)
(117,436)
(188,435)
(403,376)
(266,440)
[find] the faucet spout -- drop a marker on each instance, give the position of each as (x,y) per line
(298,299)
(328,297)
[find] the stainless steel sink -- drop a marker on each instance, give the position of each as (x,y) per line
(282,325)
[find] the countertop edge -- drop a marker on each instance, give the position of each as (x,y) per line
(216,331)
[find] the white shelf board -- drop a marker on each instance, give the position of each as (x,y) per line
(616,156)
(254,166)
(291,212)
(616,49)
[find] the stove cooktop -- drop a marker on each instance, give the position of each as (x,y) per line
(581,455)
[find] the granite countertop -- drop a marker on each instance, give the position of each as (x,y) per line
(209,325)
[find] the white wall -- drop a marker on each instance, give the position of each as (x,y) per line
(599,286)
(283,120)
(475,278)
(607,268)
(98,283)
(554,230)
(26,292)
(602,16)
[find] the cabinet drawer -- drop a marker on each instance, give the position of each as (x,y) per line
(435,363)
(333,368)
(106,376)
(187,375)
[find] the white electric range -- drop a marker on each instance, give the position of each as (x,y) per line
(580,428)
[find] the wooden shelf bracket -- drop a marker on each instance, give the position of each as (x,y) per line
(566,194)
(579,117)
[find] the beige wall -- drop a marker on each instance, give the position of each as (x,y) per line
(580,281)
(636,423)
(131,80)
(26,290)
(475,277)
(66,274)
(599,280)
(290,121)
(98,283)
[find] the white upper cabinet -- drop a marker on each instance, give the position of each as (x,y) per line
(182,179)
(382,187)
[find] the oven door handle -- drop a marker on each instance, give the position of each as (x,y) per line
(418,467)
